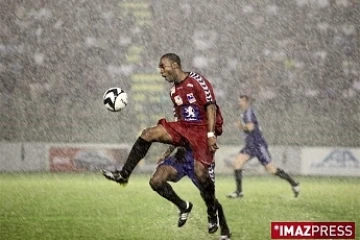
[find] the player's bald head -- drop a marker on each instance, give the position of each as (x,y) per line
(173,58)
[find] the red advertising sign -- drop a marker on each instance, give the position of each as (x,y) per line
(67,158)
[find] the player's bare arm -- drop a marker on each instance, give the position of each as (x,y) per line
(211,116)
(167,153)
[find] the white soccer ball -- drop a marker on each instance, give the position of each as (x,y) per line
(115,99)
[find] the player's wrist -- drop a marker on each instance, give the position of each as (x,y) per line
(210,134)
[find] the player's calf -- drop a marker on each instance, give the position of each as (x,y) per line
(294,185)
(282,174)
(137,152)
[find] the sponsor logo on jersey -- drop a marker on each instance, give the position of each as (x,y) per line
(190,113)
(178,100)
(190,97)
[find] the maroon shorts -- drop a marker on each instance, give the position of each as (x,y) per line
(185,133)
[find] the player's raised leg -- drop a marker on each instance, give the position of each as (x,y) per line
(159,183)
(295,186)
(139,150)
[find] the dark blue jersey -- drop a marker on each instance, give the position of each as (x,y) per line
(255,137)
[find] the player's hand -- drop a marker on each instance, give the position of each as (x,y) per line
(212,144)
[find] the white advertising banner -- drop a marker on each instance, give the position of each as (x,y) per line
(330,161)
(316,161)
(10,156)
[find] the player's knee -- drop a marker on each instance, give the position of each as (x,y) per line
(154,134)
(147,134)
(155,182)
(206,183)
(207,188)
(158,178)
(237,164)
(151,134)
(201,172)
(270,169)
(240,161)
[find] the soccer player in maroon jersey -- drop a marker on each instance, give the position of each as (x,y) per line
(199,122)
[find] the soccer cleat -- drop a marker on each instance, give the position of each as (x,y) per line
(296,189)
(183,216)
(225,233)
(213,223)
(235,195)
(115,176)
(225,236)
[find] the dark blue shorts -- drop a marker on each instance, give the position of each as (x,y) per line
(260,151)
(185,167)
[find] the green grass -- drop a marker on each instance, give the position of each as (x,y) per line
(87,206)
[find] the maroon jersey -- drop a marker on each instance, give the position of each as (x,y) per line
(190,98)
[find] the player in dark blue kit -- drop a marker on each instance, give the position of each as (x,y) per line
(173,168)
(255,146)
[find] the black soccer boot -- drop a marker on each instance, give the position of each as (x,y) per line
(296,189)
(115,176)
(225,236)
(184,214)
(213,222)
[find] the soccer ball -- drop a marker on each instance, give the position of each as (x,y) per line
(115,99)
